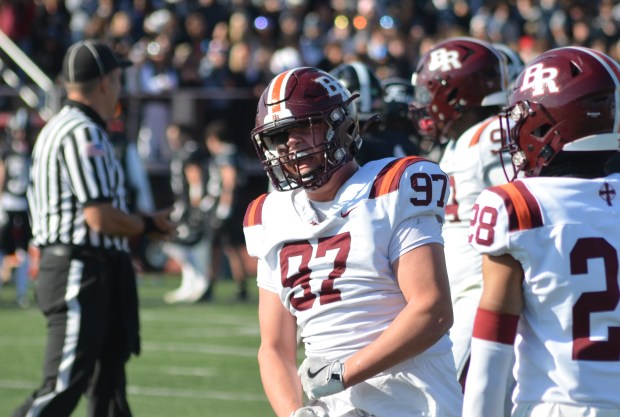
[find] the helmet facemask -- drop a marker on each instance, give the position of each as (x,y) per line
(531,136)
(419,115)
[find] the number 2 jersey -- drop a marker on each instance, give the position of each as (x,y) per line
(565,232)
(335,276)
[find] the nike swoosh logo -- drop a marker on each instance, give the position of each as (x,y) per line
(313,374)
(344,214)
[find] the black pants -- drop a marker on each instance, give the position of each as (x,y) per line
(89,299)
(15,232)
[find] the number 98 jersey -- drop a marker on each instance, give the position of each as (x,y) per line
(334,272)
(565,232)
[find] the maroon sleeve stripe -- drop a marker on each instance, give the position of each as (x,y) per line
(536,219)
(522,208)
(495,326)
(388,179)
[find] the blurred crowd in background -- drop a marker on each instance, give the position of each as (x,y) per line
(235,47)
(242,43)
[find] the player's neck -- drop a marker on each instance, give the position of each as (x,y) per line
(329,190)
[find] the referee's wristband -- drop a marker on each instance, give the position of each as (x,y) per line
(149,225)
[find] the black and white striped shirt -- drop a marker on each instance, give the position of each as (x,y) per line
(74,165)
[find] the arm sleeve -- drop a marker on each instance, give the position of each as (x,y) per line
(489,366)
(492,358)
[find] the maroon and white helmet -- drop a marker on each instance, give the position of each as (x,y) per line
(304,97)
(566,99)
(453,77)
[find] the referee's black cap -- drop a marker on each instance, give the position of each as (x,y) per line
(87,60)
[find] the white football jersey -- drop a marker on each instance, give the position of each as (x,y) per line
(335,276)
(565,232)
(473,164)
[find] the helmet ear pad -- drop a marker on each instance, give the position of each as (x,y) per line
(342,137)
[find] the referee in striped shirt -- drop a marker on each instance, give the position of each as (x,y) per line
(86,286)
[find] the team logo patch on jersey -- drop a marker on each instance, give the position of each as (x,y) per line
(540,80)
(607,193)
(444,60)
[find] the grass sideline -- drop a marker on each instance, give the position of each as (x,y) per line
(197,360)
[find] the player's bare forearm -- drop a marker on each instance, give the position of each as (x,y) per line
(280,382)
(411,333)
(277,355)
(425,319)
(503,276)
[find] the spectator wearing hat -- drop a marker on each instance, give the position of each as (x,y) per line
(86,286)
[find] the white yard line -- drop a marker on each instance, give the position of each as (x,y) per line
(201,318)
(201,348)
(159,392)
(205,348)
(188,371)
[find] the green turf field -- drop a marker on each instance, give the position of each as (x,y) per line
(197,360)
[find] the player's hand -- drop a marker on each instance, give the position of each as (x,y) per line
(309,412)
(320,378)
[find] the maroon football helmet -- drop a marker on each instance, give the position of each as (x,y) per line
(455,76)
(565,99)
(304,97)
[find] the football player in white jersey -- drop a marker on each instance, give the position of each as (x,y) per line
(460,87)
(354,257)
(551,246)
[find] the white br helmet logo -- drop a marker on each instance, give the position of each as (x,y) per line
(537,77)
(333,87)
(444,60)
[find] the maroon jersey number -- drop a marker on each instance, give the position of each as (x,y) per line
(303,250)
(585,348)
(422,183)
